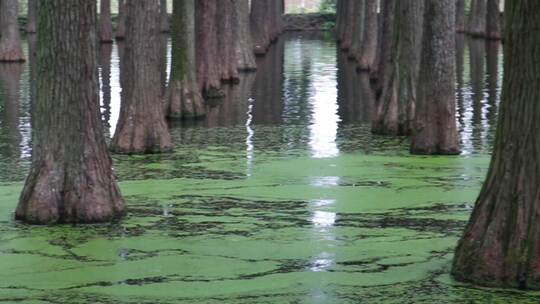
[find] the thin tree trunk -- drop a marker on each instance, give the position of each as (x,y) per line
(31,20)
(105,22)
(165,26)
(142,127)
(121,20)
(244,50)
(493,30)
(435,129)
(184,99)
(368,52)
(500,246)
(70,180)
(10,40)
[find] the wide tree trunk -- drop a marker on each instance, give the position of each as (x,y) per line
(260,26)
(10,40)
(493,26)
(71,178)
(164,26)
(244,44)
(395,111)
(31,19)
(184,99)
(500,246)
(142,127)
(227,34)
(476,25)
(460,16)
(121,20)
(105,22)
(434,130)
(368,52)
(206,30)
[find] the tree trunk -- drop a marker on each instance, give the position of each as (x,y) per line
(142,127)
(460,16)
(165,26)
(500,246)
(105,22)
(244,50)
(184,99)
(388,12)
(208,69)
(435,129)
(227,34)
(121,20)
(10,40)
(31,20)
(493,30)
(70,180)
(353,27)
(260,31)
(395,111)
(477,18)
(368,53)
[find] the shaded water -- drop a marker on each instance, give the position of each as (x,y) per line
(281,195)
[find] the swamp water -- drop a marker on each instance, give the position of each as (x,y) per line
(281,195)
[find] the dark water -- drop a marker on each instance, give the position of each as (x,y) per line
(281,195)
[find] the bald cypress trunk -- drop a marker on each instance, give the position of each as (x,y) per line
(244,50)
(368,52)
(500,246)
(184,99)
(353,28)
(10,40)
(226,35)
(477,18)
(31,20)
(493,24)
(434,130)
(142,127)
(70,180)
(260,30)
(387,35)
(105,22)
(165,26)
(121,20)
(460,16)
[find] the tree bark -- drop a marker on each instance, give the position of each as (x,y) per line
(10,40)
(70,180)
(105,22)
(434,130)
(395,111)
(31,19)
(244,50)
(260,31)
(493,30)
(353,28)
(142,127)
(460,16)
(227,35)
(184,99)
(500,246)
(368,52)
(165,26)
(477,18)
(121,20)
(388,12)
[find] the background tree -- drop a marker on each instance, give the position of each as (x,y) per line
(70,180)
(460,16)
(500,244)
(476,25)
(386,40)
(244,51)
(105,22)
(260,28)
(165,26)
(121,20)
(184,99)
(10,40)
(353,27)
(31,17)
(141,126)
(434,130)
(368,52)
(227,34)
(493,24)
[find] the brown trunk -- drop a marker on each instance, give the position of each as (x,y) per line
(70,180)
(164,26)
(387,35)
(121,20)
(493,30)
(10,40)
(460,16)
(395,110)
(353,27)
(368,53)
(435,129)
(500,246)
(477,18)
(226,34)
(142,127)
(208,70)
(31,20)
(105,23)
(184,99)
(260,31)
(244,45)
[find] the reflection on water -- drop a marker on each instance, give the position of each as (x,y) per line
(306,98)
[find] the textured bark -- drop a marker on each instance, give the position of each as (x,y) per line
(434,130)
(460,16)
(493,23)
(353,28)
(260,26)
(500,246)
(227,34)
(70,180)
(388,12)
(184,99)
(208,70)
(10,40)
(477,18)
(164,17)
(244,45)
(31,20)
(105,22)
(395,111)
(367,56)
(142,127)
(121,20)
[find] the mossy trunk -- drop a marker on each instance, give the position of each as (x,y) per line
(500,246)
(105,23)
(10,40)
(71,178)
(142,127)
